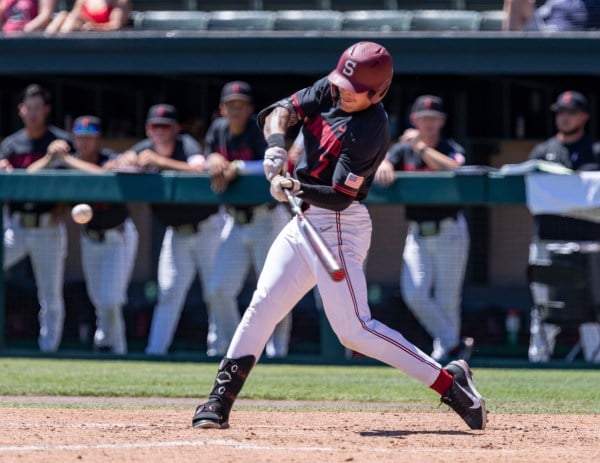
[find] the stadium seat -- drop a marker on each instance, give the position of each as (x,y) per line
(349,5)
(377,20)
(159,5)
(491,20)
(295,5)
(171,20)
(445,20)
(241,20)
(308,20)
(215,5)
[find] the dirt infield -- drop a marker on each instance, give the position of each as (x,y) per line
(41,430)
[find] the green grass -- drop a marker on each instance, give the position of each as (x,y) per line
(506,391)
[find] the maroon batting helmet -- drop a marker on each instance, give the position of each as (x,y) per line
(364,66)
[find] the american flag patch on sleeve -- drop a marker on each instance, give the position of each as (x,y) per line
(353,181)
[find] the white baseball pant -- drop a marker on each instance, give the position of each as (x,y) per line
(107,268)
(243,246)
(46,247)
(292,269)
(182,255)
(436,262)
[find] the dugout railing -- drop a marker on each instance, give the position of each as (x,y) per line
(472,188)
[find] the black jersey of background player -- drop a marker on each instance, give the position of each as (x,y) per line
(107,215)
(181,214)
(247,146)
(583,154)
(22,151)
(341,150)
(403,157)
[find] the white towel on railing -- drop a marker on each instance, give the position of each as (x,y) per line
(576,195)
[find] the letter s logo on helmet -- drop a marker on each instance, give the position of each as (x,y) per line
(364,67)
(348,68)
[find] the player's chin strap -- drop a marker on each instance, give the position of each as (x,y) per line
(229,381)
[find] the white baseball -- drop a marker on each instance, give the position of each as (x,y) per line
(82,213)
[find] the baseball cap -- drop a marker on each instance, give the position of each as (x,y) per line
(162,114)
(236,90)
(428,105)
(570,100)
(87,125)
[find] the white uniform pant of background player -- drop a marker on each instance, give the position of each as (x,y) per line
(542,336)
(107,267)
(182,256)
(292,269)
(432,277)
(243,245)
(46,247)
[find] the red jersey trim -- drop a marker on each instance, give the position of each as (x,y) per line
(346,191)
(297,106)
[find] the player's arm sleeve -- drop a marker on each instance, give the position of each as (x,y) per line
(325,196)
(190,146)
(538,152)
(209,140)
(140,146)
(395,155)
(457,152)
(303,103)
(4,149)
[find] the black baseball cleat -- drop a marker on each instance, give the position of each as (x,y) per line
(210,416)
(462,396)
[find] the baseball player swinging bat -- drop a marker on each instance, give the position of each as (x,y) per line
(333,268)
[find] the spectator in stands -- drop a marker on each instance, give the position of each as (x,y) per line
(108,242)
(36,229)
(92,15)
(573,148)
(236,145)
(26,15)
(437,245)
(553,15)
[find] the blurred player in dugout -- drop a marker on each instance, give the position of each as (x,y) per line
(192,230)
(108,242)
(235,145)
(572,148)
(37,229)
(437,244)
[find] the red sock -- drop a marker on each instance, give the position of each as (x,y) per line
(442,383)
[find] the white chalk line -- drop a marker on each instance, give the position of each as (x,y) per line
(144,445)
(11,424)
(244,446)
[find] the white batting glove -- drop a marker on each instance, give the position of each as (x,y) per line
(280,183)
(275,161)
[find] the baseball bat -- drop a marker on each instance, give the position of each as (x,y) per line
(321,250)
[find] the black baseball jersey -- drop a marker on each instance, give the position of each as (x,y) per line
(574,156)
(22,151)
(579,155)
(179,214)
(404,158)
(341,150)
(107,215)
(247,146)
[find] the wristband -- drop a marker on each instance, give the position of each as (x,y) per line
(276,140)
(238,165)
